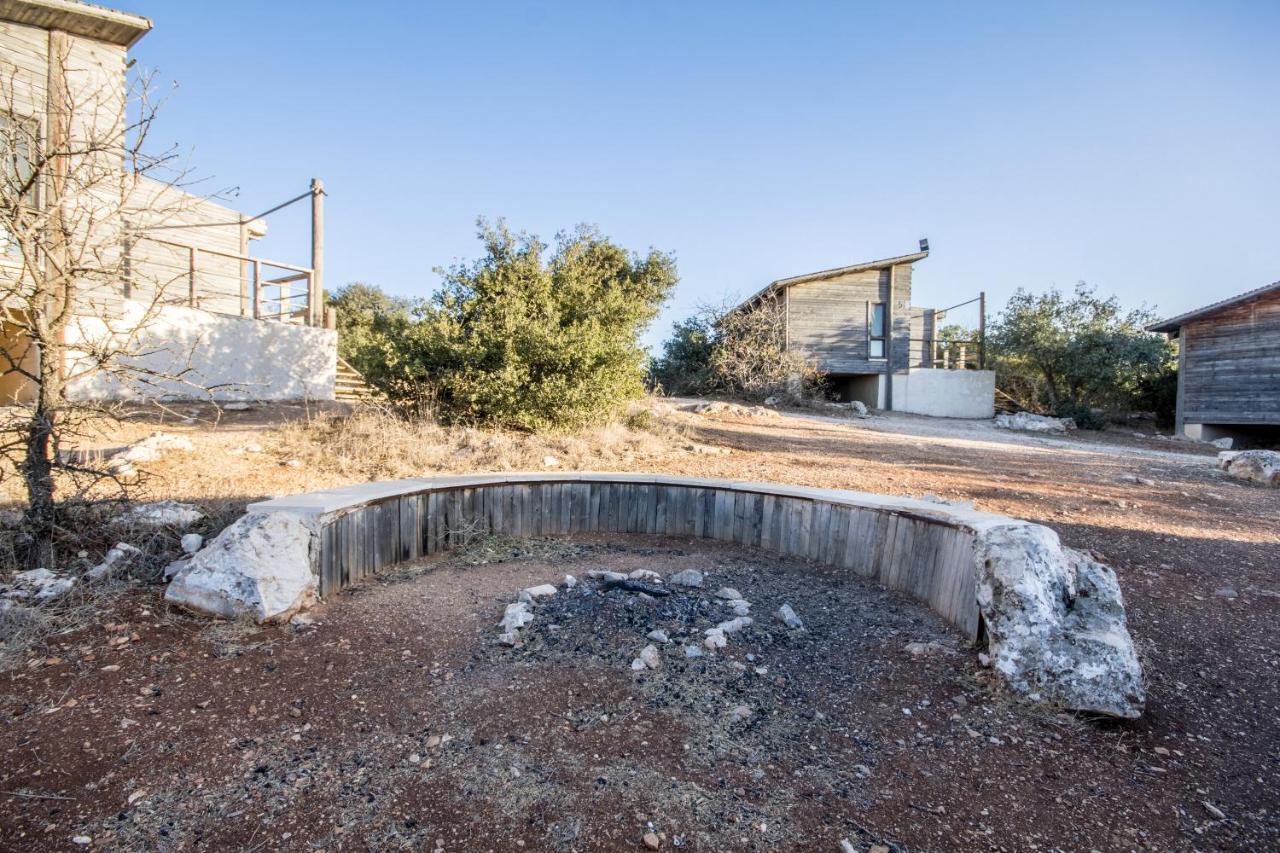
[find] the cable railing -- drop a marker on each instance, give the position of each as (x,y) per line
(947,354)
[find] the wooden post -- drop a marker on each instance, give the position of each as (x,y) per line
(982,330)
(888,342)
(191,276)
(315,290)
(244,252)
(257,289)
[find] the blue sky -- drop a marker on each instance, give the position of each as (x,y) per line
(1130,145)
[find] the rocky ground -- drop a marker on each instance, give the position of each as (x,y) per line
(397,720)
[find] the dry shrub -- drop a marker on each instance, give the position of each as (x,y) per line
(374,444)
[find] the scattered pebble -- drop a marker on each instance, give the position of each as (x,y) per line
(789,617)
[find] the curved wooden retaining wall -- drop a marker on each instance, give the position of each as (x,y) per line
(922,548)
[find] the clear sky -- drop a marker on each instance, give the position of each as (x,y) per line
(1135,146)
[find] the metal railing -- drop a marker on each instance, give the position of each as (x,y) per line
(222,282)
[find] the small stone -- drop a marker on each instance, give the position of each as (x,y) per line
(651,841)
(789,617)
(509,638)
(570,581)
(728,593)
(82,840)
(741,607)
(929,649)
(550,462)
(715,639)
(434,741)
(689,578)
(658,636)
(541,591)
(692,652)
(415,758)
(191,542)
(637,665)
(605,575)
(650,657)
(879,848)
(1226,592)
(846,846)
(516,616)
(740,713)
(733,626)
(645,575)
(1214,811)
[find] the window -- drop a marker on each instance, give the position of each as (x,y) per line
(18,140)
(876,331)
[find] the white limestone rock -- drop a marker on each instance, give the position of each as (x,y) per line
(658,636)
(533,593)
(691,578)
(1260,466)
(1056,623)
(516,616)
(733,626)
(262,566)
(859,408)
(191,543)
(41,585)
(645,575)
(605,575)
(728,593)
(1224,443)
(163,514)
(114,559)
(692,652)
(570,581)
(1027,422)
(789,617)
(741,607)
(714,638)
(650,658)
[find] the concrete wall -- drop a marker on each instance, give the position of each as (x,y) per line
(946,393)
(223,358)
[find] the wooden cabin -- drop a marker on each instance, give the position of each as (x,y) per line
(857,325)
(1229,367)
(160,257)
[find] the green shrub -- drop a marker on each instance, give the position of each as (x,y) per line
(516,342)
(1085,417)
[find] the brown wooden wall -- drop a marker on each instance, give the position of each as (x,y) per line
(828,319)
(924,557)
(1231,366)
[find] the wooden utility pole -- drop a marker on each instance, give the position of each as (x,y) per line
(244,269)
(315,297)
(982,330)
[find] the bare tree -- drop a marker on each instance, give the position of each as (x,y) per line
(750,354)
(77,191)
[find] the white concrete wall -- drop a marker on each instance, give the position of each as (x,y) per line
(223,358)
(946,393)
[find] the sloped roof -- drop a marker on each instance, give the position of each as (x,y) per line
(1173,324)
(80,19)
(783,283)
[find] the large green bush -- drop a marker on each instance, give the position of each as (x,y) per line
(1066,353)
(517,341)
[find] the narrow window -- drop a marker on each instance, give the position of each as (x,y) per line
(18,140)
(877,331)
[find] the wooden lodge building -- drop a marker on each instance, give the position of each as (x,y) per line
(857,324)
(1229,367)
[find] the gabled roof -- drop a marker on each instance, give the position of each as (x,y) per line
(79,19)
(783,283)
(1173,324)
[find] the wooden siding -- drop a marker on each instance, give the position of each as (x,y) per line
(1231,365)
(828,319)
(928,558)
